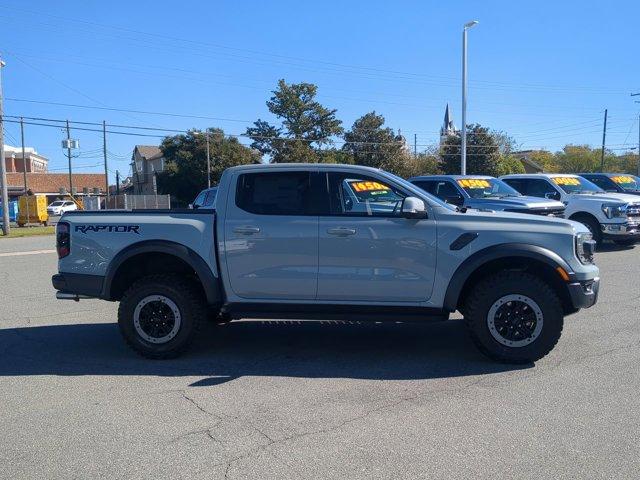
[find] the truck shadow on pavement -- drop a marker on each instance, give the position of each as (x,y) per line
(329,349)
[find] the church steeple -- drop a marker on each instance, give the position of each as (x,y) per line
(448,128)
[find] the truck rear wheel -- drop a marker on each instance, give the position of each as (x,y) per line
(159,315)
(514,317)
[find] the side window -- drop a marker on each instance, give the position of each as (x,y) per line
(275,193)
(210,198)
(540,188)
(358,195)
(604,183)
(426,185)
(446,190)
(199,201)
(518,183)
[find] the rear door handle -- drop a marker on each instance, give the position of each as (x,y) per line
(341,231)
(246,230)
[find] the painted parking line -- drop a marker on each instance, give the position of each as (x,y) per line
(29,252)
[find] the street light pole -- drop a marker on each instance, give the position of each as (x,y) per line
(208,162)
(463,157)
(3,167)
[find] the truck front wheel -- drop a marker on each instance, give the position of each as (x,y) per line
(514,317)
(159,315)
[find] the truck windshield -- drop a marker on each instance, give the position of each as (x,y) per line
(577,185)
(486,188)
(631,183)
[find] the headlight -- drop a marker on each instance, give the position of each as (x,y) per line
(615,210)
(585,247)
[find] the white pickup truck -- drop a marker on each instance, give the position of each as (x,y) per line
(608,216)
(329,241)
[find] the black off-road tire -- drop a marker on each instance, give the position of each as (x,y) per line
(593,226)
(183,293)
(497,286)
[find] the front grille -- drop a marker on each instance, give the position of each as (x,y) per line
(633,210)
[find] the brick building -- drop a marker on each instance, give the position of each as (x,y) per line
(50,184)
(34,161)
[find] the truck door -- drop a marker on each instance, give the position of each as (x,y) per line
(368,252)
(271,236)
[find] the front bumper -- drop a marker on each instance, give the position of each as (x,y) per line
(621,230)
(584,294)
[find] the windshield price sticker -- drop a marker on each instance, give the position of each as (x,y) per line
(566,181)
(622,179)
(474,183)
(369,187)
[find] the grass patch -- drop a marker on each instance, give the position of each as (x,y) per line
(17,232)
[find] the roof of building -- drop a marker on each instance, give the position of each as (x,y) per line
(52,182)
(149,152)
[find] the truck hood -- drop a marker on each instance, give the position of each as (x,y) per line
(507,203)
(516,222)
(607,197)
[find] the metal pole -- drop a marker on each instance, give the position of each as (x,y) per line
(117,182)
(604,139)
(3,167)
(463,137)
(69,157)
(104,154)
(415,145)
(639,145)
(24,168)
(208,162)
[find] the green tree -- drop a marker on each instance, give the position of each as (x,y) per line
(306,125)
(484,151)
(185,156)
(577,159)
(509,164)
(546,160)
(374,145)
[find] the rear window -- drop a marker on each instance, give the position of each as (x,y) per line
(275,193)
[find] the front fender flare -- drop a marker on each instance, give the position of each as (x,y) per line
(496,252)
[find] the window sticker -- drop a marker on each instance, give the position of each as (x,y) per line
(566,181)
(369,187)
(474,183)
(622,179)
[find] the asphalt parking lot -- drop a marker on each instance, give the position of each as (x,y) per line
(311,399)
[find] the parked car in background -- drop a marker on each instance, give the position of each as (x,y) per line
(615,182)
(61,206)
(609,216)
(205,198)
(286,243)
(482,192)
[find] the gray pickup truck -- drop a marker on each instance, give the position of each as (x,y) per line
(287,241)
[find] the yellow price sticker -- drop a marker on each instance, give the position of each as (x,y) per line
(566,181)
(622,179)
(474,183)
(368,186)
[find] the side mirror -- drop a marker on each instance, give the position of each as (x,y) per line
(552,195)
(454,200)
(413,208)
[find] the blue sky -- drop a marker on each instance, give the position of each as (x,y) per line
(541,71)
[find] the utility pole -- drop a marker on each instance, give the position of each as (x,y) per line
(415,145)
(69,157)
(604,139)
(635,95)
(117,182)
(208,162)
(24,168)
(104,154)
(463,156)
(3,167)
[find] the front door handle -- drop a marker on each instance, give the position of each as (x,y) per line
(341,231)
(246,230)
